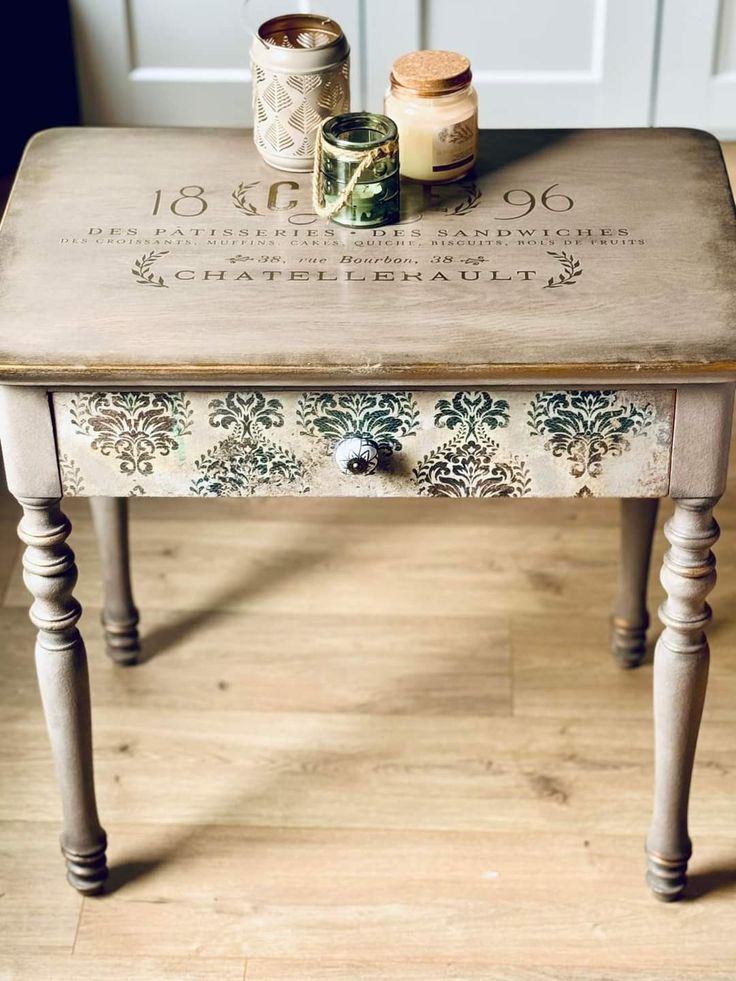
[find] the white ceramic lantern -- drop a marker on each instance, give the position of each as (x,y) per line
(300,65)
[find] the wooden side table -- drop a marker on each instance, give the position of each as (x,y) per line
(174,320)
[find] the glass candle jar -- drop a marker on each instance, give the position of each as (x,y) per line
(357,170)
(435,108)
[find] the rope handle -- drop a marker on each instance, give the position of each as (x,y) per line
(365,160)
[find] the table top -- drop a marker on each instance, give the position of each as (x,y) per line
(170,255)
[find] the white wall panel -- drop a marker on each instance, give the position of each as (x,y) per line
(726,59)
(515,37)
(186,34)
(541,63)
(696,84)
(177,62)
(537,62)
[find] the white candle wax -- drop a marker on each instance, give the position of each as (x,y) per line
(435,109)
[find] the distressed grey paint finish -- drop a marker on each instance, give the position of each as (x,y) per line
(28,442)
(680,678)
(630,615)
(635,287)
(50,573)
(655,298)
(119,615)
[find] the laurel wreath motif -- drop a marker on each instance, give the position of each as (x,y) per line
(470,201)
(571,270)
(141,269)
(240,198)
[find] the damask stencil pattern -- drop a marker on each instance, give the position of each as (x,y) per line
(72,481)
(246,461)
(468,443)
(132,427)
(585,427)
(470,464)
(383,417)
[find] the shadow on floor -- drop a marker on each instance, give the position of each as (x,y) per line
(125,872)
(286,564)
(718,879)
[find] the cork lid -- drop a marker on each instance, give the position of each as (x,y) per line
(431,72)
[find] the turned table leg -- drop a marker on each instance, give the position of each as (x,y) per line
(680,677)
(630,617)
(119,616)
(50,574)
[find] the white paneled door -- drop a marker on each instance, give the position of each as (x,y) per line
(697,66)
(178,62)
(542,63)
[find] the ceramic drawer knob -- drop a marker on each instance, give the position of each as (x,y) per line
(356,455)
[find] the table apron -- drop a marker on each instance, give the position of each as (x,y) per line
(458,443)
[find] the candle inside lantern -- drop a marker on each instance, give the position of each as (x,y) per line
(366,145)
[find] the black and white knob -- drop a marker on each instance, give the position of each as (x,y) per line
(356,455)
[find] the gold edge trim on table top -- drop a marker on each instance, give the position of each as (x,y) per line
(376,373)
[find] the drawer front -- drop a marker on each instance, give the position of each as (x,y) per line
(474,443)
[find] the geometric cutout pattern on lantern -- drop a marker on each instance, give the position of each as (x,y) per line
(277,136)
(275,96)
(304,84)
(304,118)
(288,109)
(332,94)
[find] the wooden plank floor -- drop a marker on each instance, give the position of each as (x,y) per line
(371,741)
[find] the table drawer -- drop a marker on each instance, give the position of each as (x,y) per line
(474,443)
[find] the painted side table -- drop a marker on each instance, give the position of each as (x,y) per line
(174,320)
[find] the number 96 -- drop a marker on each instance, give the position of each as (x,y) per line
(525,199)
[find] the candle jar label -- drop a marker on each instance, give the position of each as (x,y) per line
(455,145)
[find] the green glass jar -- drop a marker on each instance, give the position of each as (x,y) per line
(365,144)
